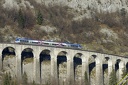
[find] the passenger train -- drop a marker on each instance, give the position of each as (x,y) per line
(47,43)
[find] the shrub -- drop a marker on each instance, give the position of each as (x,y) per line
(21,19)
(7,79)
(113,79)
(39,18)
(109,45)
(30,19)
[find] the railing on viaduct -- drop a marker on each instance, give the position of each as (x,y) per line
(89,60)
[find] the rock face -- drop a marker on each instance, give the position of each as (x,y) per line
(100,5)
(105,5)
(15,4)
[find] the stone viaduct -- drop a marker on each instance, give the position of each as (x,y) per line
(85,60)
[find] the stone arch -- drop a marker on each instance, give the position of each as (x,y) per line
(92,69)
(45,66)
(9,60)
(62,67)
(77,60)
(117,64)
(27,63)
(105,63)
(105,70)
(45,55)
(117,69)
(8,51)
(27,53)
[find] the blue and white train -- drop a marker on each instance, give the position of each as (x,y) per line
(47,43)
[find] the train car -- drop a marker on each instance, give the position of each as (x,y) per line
(26,41)
(21,40)
(72,45)
(76,46)
(47,43)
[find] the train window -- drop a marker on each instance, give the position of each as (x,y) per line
(17,39)
(35,42)
(74,46)
(23,40)
(63,45)
(46,43)
(55,44)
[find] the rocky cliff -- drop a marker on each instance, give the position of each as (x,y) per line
(100,5)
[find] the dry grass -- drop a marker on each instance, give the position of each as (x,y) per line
(28,60)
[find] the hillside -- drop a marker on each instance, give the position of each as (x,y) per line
(99,25)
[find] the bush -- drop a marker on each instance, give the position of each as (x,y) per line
(8,80)
(39,18)
(21,19)
(113,79)
(26,19)
(109,46)
(30,19)
(110,19)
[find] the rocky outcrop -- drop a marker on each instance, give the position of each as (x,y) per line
(16,4)
(104,5)
(100,5)
(85,7)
